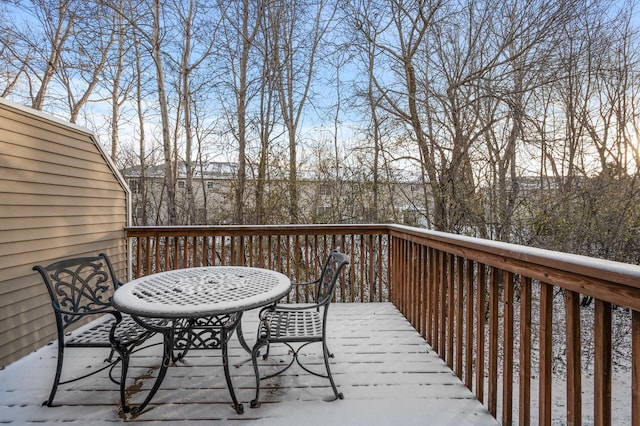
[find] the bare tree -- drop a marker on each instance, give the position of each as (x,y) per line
(198,34)
(297,30)
(150,34)
(266,122)
(117,95)
(397,30)
(242,20)
(14,57)
(57,20)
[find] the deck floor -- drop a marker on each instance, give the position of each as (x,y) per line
(386,371)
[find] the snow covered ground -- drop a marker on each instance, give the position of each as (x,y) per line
(388,374)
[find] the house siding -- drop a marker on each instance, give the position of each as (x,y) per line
(60,196)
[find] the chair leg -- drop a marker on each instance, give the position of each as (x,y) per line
(255,352)
(56,379)
(327,355)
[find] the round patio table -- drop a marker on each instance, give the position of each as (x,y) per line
(203,307)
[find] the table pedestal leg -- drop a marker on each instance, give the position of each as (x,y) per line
(166,360)
(227,375)
(241,339)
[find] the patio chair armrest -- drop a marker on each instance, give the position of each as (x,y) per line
(106,310)
(299,286)
(289,307)
(293,289)
(303,284)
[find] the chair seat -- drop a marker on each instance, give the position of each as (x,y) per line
(290,325)
(127,332)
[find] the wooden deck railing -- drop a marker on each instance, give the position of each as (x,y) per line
(493,311)
(295,250)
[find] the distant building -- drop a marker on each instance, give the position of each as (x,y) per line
(210,196)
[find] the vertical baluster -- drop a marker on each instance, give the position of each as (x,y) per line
(389,259)
(432,317)
(138,258)
(234,255)
(176,252)
(480,315)
(361,274)
(405,276)
(602,366)
(635,368)
(442,306)
(546,351)
(400,270)
(317,257)
(205,250)
(450,304)
(296,263)
(417,268)
(459,314)
(147,256)
(167,252)
(398,244)
(223,250)
(493,341)
(159,243)
(525,351)
(468,374)
(278,253)
(379,276)
(194,250)
(574,383)
(435,303)
(411,290)
(423,283)
(309,265)
(507,377)
(421,288)
(185,252)
(215,250)
(347,278)
(372,269)
(285,255)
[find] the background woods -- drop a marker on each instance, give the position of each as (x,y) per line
(517,121)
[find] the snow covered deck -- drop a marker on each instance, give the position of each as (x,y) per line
(388,374)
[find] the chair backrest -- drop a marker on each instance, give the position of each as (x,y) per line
(81,285)
(329,276)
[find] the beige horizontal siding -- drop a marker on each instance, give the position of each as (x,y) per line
(59,198)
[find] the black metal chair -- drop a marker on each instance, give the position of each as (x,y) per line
(81,287)
(300,324)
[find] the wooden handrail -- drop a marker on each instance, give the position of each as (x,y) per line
(488,308)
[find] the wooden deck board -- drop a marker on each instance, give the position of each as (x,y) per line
(386,371)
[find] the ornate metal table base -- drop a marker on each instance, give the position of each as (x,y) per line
(187,334)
